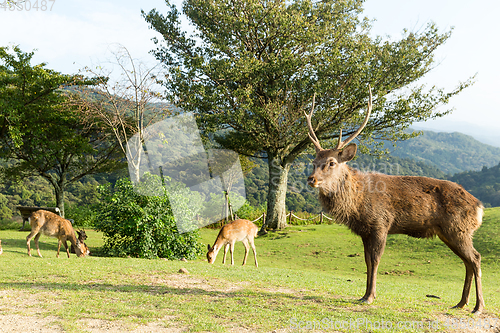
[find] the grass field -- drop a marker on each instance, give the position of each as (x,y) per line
(309,277)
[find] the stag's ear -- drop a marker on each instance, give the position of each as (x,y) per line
(348,153)
(208,247)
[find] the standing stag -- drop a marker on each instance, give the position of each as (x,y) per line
(374,205)
(53,225)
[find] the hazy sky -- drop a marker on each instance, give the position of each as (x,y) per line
(71,34)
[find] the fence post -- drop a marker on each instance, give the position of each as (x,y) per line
(321,218)
(290,220)
(262,230)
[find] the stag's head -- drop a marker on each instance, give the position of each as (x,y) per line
(330,164)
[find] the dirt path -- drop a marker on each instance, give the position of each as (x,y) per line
(29,324)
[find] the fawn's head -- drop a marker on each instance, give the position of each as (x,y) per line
(211,254)
(82,235)
(330,164)
(81,249)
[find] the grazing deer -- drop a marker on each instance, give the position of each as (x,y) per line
(1,251)
(374,205)
(82,236)
(53,225)
(236,231)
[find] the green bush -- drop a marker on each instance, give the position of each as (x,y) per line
(9,224)
(249,212)
(142,226)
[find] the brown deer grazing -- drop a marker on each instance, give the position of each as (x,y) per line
(82,236)
(374,205)
(53,225)
(236,231)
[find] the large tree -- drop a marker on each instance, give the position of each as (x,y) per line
(41,133)
(251,68)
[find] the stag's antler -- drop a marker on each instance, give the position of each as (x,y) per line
(311,134)
(341,144)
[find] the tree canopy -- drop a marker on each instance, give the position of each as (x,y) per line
(251,68)
(41,134)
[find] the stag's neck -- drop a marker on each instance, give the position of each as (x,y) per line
(342,199)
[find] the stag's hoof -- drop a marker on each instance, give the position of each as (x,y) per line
(459,305)
(477,311)
(365,300)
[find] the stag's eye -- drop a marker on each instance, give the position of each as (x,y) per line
(332,163)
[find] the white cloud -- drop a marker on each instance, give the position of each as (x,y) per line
(77,32)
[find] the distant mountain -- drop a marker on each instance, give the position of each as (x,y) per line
(488,133)
(450,152)
(484,184)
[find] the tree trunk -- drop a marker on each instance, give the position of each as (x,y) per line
(278,176)
(59,190)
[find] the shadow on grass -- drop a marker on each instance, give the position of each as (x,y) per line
(158,290)
(48,249)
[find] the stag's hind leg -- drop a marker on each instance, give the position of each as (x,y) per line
(463,248)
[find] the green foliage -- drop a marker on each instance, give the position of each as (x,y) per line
(42,134)
(450,152)
(251,68)
(251,213)
(141,226)
(8,224)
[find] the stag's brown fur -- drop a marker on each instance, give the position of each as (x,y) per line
(374,205)
(53,225)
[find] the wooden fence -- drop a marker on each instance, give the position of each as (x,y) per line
(290,216)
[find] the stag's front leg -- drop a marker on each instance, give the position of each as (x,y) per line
(374,248)
(369,274)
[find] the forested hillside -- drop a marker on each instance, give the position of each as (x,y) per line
(484,184)
(36,191)
(301,197)
(450,152)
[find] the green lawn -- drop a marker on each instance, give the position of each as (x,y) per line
(308,276)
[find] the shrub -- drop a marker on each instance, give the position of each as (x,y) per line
(142,226)
(9,224)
